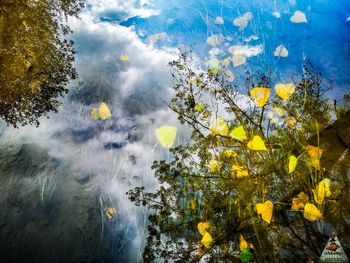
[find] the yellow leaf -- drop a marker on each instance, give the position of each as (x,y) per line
(192,80)
(219,126)
(315,162)
(325,184)
(313,151)
(322,190)
(166,135)
(257,144)
(94,114)
(198,107)
(239,133)
(265,210)
(292,163)
(203,227)
(311,212)
(285,90)
(230,154)
(299,202)
(260,96)
(242,242)
(207,240)
(213,165)
(291,122)
(281,112)
(110,212)
(104,112)
(193,203)
(240,171)
(124,57)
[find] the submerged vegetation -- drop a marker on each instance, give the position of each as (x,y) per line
(35,57)
(251,185)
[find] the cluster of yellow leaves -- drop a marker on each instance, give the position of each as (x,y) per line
(220,127)
(102,112)
(203,228)
(240,171)
(299,202)
(265,210)
(229,154)
(311,212)
(166,135)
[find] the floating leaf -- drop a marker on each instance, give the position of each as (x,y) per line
(104,112)
(94,114)
(276,14)
(110,212)
(238,59)
(203,227)
(298,17)
(166,135)
(299,202)
(265,210)
(242,21)
(219,126)
(280,51)
(311,212)
(292,163)
(207,240)
(240,171)
(213,165)
(285,90)
(239,133)
(213,63)
(215,40)
(229,75)
(260,95)
(257,144)
(242,242)
(219,20)
(124,57)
